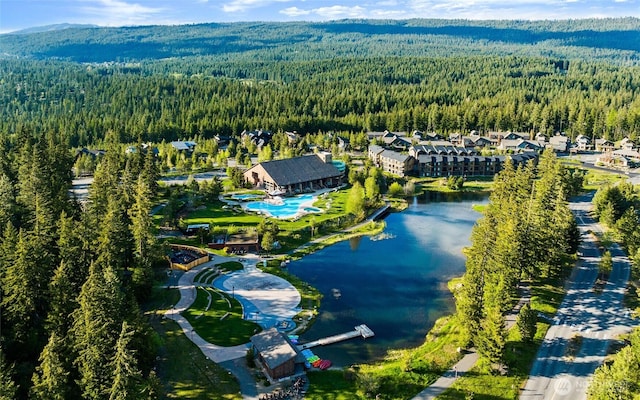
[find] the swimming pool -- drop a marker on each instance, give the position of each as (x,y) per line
(288,208)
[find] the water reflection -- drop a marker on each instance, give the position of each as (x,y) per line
(354,242)
(394,282)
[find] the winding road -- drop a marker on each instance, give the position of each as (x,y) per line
(560,372)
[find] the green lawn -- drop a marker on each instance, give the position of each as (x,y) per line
(546,296)
(596,178)
(472,184)
(404,373)
(212,325)
(231,266)
(330,385)
(215,215)
(181,366)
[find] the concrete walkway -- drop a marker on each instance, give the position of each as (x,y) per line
(187,297)
(471,357)
(275,298)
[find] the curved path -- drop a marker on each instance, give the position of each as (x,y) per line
(265,298)
(274,298)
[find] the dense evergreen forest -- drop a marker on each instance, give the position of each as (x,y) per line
(353,75)
(526,232)
(72,277)
(166,100)
(616,39)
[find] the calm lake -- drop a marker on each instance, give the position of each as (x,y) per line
(395,283)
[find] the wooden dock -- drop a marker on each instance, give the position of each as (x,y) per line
(360,330)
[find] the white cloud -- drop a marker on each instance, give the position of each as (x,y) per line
(491,9)
(294,12)
(244,5)
(340,12)
(389,14)
(331,12)
(118,12)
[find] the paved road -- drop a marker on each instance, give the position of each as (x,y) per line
(471,357)
(597,318)
(198,177)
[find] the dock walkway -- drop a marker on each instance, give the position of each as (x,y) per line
(360,330)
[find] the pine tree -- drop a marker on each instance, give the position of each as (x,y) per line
(7,248)
(526,323)
(25,299)
(105,183)
(470,296)
(74,250)
(492,335)
(115,240)
(127,377)
(51,379)
(151,172)
(97,323)
(144,240)
(141,222)
(8,387)
(7,200)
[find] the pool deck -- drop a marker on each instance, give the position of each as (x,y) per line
(300,210)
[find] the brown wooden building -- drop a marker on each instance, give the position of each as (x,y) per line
(295,175)
(275,353)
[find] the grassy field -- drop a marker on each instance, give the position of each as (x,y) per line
(372,228)
(231,266)
(331,385)
(596,178)
(546,296)
(472,184)
(222,322)
(403,373)
(181,366)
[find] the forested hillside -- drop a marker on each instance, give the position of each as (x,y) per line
(184,98)
(169,82)
(612,40)
(72,276)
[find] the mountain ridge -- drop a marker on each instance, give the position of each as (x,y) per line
(611,39)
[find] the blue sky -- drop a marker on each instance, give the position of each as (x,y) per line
(19,14)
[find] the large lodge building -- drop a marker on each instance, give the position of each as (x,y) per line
(450,161)
(295,175)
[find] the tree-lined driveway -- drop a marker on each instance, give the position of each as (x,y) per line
(586,322)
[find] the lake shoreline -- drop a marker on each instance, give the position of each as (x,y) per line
(434,197)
